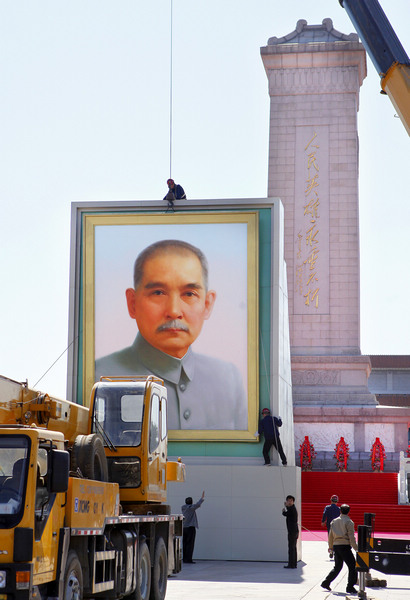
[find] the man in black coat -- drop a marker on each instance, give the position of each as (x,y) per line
(268,426)
(291,515)
(331,511)
(175,192)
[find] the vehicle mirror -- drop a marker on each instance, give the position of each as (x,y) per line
(58,473)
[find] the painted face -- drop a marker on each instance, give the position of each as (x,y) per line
(171,304)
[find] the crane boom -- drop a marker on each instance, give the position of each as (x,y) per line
(386,52)
(21,405)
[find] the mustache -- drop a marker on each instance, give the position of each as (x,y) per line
(173,324)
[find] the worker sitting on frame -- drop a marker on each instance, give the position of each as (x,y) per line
(175,192)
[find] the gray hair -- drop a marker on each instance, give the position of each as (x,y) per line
(162,247)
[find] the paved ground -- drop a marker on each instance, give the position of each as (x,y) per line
(231,580)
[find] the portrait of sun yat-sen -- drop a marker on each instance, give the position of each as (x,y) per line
(179,301)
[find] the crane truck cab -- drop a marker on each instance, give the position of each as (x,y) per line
(130,415)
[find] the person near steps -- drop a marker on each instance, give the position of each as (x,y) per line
(331,511)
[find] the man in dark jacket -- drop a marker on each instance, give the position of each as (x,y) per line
(331,511)
(175,192)
(291,515)
(268,426)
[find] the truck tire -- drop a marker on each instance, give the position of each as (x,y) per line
(89,456)
(144,573)
(159,571)
(73,578)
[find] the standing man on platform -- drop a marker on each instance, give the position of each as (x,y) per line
(341,541)
(189,528)
(331,511)
(268,426)
(291,515)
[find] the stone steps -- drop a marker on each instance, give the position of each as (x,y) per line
(389,518)
(365,493)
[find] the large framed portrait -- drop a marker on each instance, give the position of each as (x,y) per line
(186,311)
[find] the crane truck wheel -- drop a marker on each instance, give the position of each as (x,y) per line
(73,578)
(144,575)
(88,455)
(159,571)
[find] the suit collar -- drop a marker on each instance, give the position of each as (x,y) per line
(162,364)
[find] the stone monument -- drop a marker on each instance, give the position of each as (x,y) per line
(314,76)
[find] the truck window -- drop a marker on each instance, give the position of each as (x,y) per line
(120,415)
(163,418)
(42,461)
(42,497)
(14,453)
(131,408)
(154,424)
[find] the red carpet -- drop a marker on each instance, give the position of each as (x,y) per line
(365,493)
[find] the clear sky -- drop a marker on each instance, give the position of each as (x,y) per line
(84,116)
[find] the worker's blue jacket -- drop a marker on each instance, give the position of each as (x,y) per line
(268,426)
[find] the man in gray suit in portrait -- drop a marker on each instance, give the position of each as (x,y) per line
(170,301)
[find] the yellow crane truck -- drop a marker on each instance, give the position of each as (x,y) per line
(83,509)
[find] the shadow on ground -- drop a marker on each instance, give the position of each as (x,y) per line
(238,571)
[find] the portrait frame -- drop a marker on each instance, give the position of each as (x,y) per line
(94,223)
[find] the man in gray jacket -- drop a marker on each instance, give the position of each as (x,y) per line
(190,527)
(341,542)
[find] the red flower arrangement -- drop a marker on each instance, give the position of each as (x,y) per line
(341,454)
(378,455)
(307,454)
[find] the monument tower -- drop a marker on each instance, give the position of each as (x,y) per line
(314,76)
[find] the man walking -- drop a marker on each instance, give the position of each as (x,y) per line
(341,542)
(331,511)
(189,528)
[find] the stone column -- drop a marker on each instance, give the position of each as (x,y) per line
(314,76)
